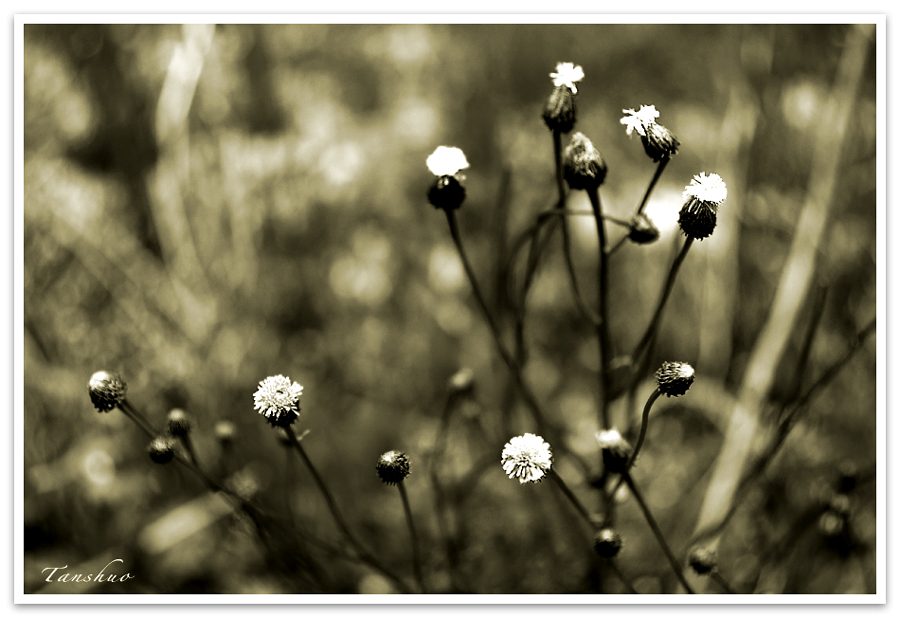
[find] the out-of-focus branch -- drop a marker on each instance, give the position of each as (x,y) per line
(793,285)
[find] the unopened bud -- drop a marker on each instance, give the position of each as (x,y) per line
(178,423)
(642,231)
(392,467)
(615,450)
(162,449)
(703,561)
(674,379)
(583,168)
(608,543)
(225,432)
(107,390)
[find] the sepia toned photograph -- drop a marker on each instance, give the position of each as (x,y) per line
(451,311)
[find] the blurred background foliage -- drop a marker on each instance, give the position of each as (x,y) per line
(205,207)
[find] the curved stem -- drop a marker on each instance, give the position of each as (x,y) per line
(572,498)
(189,447)
(651,521)
(603,338)
(417,559)
(645,422)
(361,551)
(667,290)
(528,395)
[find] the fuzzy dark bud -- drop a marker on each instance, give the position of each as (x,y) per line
(107,390)
(674,379)
(162,449)
(702,199)
(446,193)
(608,543)
(659,142)
(392,467)
(559,112)
(642,231)
(583,168)
(615,450)
(703,561)
(178,423)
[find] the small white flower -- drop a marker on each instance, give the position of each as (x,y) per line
(567,74)
(609,438)
(639,120)
(278,399)
(446,161)
(527,458)
(708,188)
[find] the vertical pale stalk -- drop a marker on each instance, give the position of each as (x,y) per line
(417,558)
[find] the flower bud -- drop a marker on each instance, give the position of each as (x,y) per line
(392,467)
(847,477)
(703,561)
(642,231)
(659,142)
(702,199)
(162,449)
(107,390)
(674,379)
(616,451)
(608,543)
(225,432)
(447,191)
(831,524)
(583,168)
(178,423)
(462,382)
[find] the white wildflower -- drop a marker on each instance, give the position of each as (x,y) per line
(446,161)
(707,188)
(639,120)
(567,74)
(527,458)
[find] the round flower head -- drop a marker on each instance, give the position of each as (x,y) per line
(583,167)
(178,423)
(642,231)
(161,449)
(608,543)
(702,199)
(527,458)
(392,467)
(462,382)
(107,390)
(674,379)
(278,399)
(659,142)
(703,561)
(615,449)
(447,192)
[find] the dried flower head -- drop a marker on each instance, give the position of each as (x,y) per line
(566,74)
(608,543)
(447,191)
(278,399)
(162,449)
(107,390)
(659,142)
(392,467)
(704,561)
(674,379)
(615,449)
(527,458)
(642,231)
(178,422)
(583,167)
(702,199)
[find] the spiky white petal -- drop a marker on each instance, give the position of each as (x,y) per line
(639,120)
(566,74)
(527,458)
(446,161)
(709,188)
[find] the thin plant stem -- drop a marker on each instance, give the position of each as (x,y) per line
(572,498)
(339,520)
(645,422)
(189,447)
(667,290)
(659,170)
(651,521)
(138,418)
(515,369)
(615,569)
(603,337)
(417,558)
(722,582)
